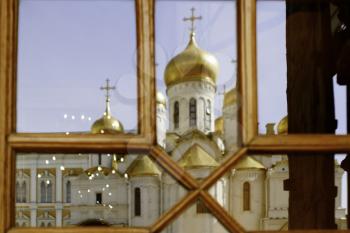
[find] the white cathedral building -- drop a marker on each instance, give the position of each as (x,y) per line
(132,191)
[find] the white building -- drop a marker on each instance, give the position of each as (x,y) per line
(68,189)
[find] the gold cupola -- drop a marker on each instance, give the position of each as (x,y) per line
(107,124)
(282,127)
(192,64)
(230,97)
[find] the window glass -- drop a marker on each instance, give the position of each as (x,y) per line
(256,194)
(125,190)
(301,51)
(66,52)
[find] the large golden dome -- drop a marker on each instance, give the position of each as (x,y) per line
(282,127)
(192,64)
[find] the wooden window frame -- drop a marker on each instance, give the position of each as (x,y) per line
(144,142)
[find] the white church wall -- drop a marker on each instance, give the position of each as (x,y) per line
(249,219)
(183,92)
(230,115)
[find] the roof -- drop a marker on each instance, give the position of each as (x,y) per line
(196,157)
(248,162)
(143,166)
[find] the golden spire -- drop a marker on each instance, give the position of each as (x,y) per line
(108,99)
(193,18)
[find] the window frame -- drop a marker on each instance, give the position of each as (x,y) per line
(144,142)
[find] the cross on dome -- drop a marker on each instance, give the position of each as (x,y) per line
(193,18)
(107,88)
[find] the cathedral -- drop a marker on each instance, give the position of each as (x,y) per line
(54,190)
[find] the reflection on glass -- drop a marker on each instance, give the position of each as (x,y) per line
(253,192)
(66,50)
(92,190)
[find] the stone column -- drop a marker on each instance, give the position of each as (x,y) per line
(33,185)
(58,185)
(33,209)
(59,210)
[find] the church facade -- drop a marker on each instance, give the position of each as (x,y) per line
(132,191)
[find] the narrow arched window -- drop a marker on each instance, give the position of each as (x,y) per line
(49,193)
(68,192)
(207,114)
(24,192)
(137,201)
(42,192)
(193,112)
(246,196)
(176,114)
(18,192)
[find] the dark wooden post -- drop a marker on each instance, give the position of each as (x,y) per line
(310,110)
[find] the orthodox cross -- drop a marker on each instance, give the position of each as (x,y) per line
(108,88)
(192,19)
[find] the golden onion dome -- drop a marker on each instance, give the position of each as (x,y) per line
(248,162)
(161,99)
(192,64)
(230,97)
(282,127)
(219,125)
(143,166)
(107,124)
(197,157)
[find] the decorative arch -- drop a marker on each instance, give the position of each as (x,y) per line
(42,192)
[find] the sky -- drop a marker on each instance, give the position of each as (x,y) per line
(67,49)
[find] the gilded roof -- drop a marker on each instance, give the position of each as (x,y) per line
(143,166)
(196,157)
(192,64)
(230,97)
(282,127)
(248,162)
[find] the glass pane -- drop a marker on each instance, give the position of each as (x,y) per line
(92,190)
(66,51)
(255,194)
(196,77)
(302,51)
(196,219)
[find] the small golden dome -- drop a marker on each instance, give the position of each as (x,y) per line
(143,166)
(230,97)
(248,162)
(192,64)
(196,157)
(107,124)
(219,125)
(161,99)
(282,127)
